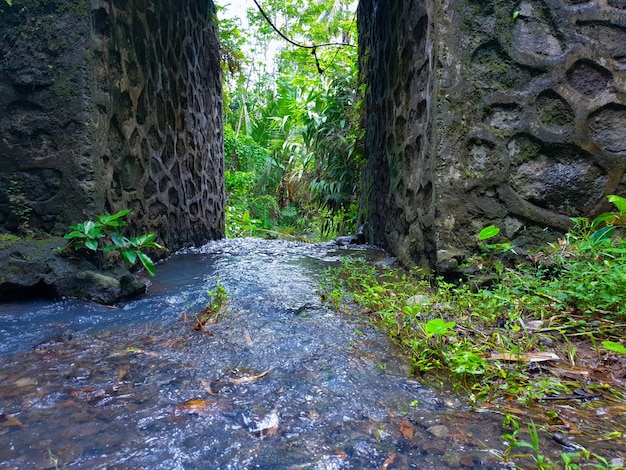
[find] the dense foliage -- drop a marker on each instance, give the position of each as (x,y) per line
(292,120)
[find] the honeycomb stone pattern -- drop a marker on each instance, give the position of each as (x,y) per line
(524,125)
(398,189)
(162,108)
(110,105)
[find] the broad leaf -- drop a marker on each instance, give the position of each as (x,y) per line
(614,347)
(147,262)
(438,326)
(619,202)
(130,256)
(488,232)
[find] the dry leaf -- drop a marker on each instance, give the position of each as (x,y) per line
(248,338)
(123,371)
(388,461)
(526,357)
(209,389)
(406,428)
(193,406)
(269,424)
(246,379)
(9,421)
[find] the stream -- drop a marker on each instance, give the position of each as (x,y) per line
(280,382)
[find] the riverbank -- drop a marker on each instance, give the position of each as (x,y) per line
(35,268)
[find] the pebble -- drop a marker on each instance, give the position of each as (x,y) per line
(439,430)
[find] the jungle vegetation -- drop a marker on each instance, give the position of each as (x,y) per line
(291,120)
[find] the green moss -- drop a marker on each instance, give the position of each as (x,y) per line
(7,239)
(64,86)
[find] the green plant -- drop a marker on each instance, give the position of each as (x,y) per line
(102,236)
(489,232)
(19,207)
(218,299)
(132,248)
(614,347)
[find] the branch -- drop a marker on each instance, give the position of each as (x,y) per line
(291,41)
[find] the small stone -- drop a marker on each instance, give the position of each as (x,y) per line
(452,459)
(439,430)
(25,382)
(467,461)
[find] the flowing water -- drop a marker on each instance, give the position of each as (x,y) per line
(280,382)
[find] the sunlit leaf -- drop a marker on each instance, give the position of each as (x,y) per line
(488,232)
(614,347)
(619,202)
(438,326)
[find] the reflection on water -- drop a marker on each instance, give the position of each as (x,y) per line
(281,382)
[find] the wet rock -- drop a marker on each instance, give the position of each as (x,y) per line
(347,240)
(449,260)
(452,459)
(386,262)
(439,430)
(99,287)
(35,269)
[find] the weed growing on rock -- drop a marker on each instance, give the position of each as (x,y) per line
(102,236)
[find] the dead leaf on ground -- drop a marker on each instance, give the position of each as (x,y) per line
(541,356)
(122,373)
(209,389)
(269,424)
(248,338)
(8,421)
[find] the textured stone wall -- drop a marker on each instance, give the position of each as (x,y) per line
(112,105)
(395,50)
(522,118)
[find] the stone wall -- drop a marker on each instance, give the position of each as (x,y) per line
(490,111)
(108,105)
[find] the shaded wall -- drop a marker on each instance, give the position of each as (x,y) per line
(110,105)
(487,111)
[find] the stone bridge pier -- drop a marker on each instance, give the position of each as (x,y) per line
(107,105)
(482,112)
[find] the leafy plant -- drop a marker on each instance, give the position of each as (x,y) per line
(19,207)
(216,306)
(102,236)
(132,248)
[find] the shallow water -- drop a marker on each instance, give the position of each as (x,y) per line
(281,382)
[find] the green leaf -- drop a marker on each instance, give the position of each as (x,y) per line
(437,326)
(92,244)
(607,218)
(614,347)
(619,202)
(130,256)
(601,235)
(147,262)
(488,232)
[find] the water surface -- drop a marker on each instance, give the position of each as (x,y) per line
(281,382)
